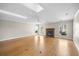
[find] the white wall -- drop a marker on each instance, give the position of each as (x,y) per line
(76,30)
(10,30)
(56,25)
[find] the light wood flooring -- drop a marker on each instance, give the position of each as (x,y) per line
(38,46)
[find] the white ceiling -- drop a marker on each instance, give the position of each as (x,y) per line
(52,12)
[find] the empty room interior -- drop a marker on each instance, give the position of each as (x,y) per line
(39,29)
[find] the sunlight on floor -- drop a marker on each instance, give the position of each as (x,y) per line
(42,43)
(63,47)
(39,41)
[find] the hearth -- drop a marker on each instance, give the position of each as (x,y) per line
(50,32)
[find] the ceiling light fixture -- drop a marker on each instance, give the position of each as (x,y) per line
(13,14)
(34,6)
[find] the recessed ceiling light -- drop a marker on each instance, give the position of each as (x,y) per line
(34,6)
(13,14)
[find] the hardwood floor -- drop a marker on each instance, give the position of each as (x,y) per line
(38,46)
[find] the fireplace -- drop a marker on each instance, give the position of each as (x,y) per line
(50,32)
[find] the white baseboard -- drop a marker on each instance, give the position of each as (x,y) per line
(14,38)
(76,45)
